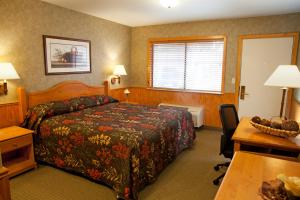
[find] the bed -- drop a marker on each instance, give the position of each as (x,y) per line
(81,129)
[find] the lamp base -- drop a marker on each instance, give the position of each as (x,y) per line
(282,102)
(3,88)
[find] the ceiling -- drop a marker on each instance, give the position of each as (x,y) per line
(150,12)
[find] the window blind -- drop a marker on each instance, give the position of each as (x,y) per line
(204,66)
(191,65)
(169,65)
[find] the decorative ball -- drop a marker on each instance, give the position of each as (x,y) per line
(276,125)
(256,119)
(265,122)
(290,125)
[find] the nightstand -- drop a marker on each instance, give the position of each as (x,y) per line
(4,184)
(17,149)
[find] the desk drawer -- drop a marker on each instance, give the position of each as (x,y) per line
(16,143)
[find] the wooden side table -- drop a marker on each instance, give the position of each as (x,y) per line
(247,172)
(4,184)
(16,148)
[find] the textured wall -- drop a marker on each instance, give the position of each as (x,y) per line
(232,28)
(23,22)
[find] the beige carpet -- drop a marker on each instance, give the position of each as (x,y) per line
(188,177)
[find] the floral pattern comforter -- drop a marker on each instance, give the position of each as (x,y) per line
(122,145)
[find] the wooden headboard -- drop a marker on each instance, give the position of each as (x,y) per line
(60,91)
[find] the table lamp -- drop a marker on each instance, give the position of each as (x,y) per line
(7,71)
(285,76)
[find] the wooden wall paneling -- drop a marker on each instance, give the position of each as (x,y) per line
(211,102)
(117,94)
(9,114)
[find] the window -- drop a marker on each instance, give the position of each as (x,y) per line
(193,64)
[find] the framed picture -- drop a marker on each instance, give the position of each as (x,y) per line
(66,55)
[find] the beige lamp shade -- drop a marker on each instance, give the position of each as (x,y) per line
(7,71)
(119,70)
(286,76)
(126,91)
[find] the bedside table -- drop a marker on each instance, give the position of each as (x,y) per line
(16,149)
(4,184)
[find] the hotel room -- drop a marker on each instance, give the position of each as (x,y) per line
(154,99)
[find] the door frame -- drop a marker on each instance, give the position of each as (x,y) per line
(294,35)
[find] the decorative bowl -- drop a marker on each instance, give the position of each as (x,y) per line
(274,131)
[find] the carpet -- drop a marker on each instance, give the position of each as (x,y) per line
(188,177)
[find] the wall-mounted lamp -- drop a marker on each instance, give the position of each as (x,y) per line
(118,72)
(126,92)
(7,71)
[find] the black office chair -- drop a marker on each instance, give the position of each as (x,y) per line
(230,120)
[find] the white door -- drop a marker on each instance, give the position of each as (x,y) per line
(260,57)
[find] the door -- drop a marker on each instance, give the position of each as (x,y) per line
(259,58)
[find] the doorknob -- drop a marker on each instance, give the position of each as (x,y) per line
(243,93)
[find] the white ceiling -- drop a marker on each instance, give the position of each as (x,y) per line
(150,12)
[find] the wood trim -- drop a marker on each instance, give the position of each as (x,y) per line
(23,103)
(295,36)
(151,41)
(149,64)
(271,35)
(238,72)
(64,90)
(224,64)
(289,102)
(187,39)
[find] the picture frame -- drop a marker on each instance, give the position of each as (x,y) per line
(66,55)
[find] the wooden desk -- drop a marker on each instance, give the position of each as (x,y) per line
(248,135)
(247,172)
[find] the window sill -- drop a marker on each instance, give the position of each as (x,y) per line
(185,91)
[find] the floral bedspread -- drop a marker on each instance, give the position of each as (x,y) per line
(122,145)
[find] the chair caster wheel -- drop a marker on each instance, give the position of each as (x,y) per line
(216,182)
(216,168)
